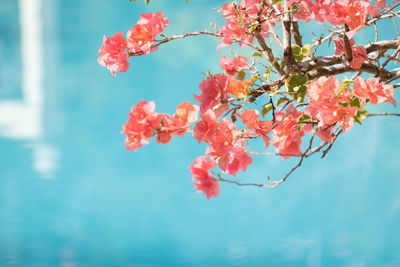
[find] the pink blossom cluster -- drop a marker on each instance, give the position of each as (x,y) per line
(374,91)
(261,128)
(206,183)
(144,123)
(359,52)
(354,13)
(234,66)
(227,144)
(330,104)
(240,19)
(113,54)
(214,92)
(381,3)
(286,136)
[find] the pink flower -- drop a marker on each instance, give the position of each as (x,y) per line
(231,32)
(113,55)
(249,118)
(205,129)
(239,88)
(354,13)
(143,123)
(142,36)
(139,126)
(329,105)
(304,9)
(239,20)
(234,66)
(213,90)
(167,125)
(262,128)
(187,113)
(200,170)
(227,146)
(322,9)
(325,134)
(286,136)
(359,53)
(373,90)
(345,117)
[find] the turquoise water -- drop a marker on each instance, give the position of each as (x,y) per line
(70,195)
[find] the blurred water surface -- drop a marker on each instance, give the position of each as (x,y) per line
(70,195)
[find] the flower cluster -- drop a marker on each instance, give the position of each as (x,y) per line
(299,101)
(244,18)
(206,183)
(113,54)
(330,103)
(234,66)
(353,13)
(227,144)
(359,52)
(144,123)
(374,91)
(286,135)
(214,92)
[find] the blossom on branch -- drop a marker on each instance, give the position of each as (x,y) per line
(359,53)
(234,66)
(373,90)
(113,55)
(292,86)
(142,36)
(206,183)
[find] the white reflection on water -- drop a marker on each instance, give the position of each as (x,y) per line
(45,160)
(24,119)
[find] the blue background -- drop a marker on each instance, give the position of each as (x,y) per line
(74,197)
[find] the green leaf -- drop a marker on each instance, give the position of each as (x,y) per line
(296,84)
(355,102)
(298,58)
(296,50)
(147,1)
(300,126)
(266,108)
(254,27)
(241,75)
(304,118)
(300,97)
(256,54)
(306,50)
(254,78)
(361,114)
(282,65)
(281,100)
(345,84)
(294,81)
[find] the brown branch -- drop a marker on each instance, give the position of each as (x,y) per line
(330,145)
(286,25)
(383,74)
(219,178)
(349,53)
(296,33)
(383,114)
(269,55)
